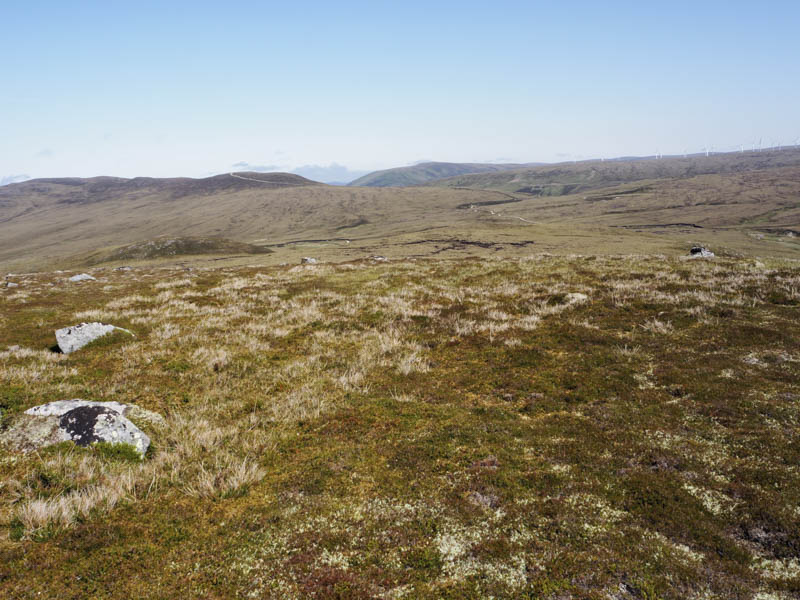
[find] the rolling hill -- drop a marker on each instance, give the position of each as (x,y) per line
(423,173)
(567,178)
(747,203)
(46,221)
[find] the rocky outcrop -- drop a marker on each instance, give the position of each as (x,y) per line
(82,277)
(76,337)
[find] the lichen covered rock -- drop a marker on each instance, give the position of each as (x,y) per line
(86,425)
(80,421)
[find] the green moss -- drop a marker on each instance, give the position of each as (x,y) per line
(118,452)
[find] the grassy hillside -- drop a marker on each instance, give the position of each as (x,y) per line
(44,221)
(568,178)
(422,173)
(749,199)
(578,427)
(173,247)
(750,206)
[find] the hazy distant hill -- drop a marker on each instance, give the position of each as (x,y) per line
(424,172)
(49,222)
(96,189)
(45,220)
(572,178)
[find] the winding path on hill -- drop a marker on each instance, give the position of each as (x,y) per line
(477,206)
(262,181)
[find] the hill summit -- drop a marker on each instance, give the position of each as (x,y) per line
(428,171)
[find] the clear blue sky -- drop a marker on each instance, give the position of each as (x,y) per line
(192,88)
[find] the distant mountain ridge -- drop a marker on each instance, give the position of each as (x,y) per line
(559,179)
(94,189)
(422,173)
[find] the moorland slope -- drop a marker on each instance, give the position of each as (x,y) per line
(576,177)
(738,203)
(422,173)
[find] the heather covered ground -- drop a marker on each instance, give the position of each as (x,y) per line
(531,427)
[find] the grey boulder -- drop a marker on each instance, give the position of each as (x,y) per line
(82,422)
(86,425)
(82,277)
(76,337)
(308,260)
(700,252)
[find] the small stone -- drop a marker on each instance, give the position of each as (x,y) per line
(576,298)
(378,258)
(490,462)
(82,277)
(700,252)
(484,500)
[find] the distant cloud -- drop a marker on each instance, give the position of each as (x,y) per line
(13,179)
(246,166)
(333,173)
(44,153)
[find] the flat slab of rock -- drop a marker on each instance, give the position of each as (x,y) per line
(76,337)
(82,277)
(82,422)
(62,407)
